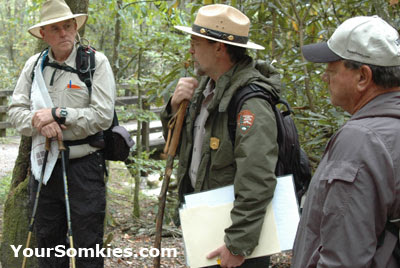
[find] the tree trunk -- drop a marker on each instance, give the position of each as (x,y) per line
(16,209)
(117,38)
(139,148)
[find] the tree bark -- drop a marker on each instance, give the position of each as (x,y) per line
(16,209)
(139,148)
(117,38)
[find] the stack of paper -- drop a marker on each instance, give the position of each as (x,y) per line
(206,215)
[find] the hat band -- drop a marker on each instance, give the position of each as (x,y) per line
(220,35)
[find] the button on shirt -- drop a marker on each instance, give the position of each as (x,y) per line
(199,131)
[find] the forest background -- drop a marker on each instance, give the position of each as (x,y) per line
(147,54)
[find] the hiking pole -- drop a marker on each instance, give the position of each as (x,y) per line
(35,205)
(171,145)
(62,149)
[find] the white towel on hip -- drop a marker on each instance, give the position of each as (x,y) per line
(41,99)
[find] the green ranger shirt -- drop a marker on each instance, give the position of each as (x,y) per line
(249,164)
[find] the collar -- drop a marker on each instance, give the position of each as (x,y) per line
(384,105)
(236,77)
(210,88)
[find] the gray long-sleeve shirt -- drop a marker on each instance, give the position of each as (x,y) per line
(354,191)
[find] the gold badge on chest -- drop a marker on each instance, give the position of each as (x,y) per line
(214,143)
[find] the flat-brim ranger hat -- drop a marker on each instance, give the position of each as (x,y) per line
(54,11)
(365,39)
(222,23)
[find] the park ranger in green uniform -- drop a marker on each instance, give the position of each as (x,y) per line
(208,158)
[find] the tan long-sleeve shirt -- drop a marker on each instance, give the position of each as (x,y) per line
(86,116)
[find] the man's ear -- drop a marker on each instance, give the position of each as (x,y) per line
(365,78)
(221,49)
(41,32)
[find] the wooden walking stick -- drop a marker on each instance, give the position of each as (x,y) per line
(171,145)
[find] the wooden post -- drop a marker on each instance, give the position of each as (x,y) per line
(146,128)
(3,111)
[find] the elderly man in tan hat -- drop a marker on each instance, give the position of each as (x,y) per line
(51,101)
(215,151)
(351,217)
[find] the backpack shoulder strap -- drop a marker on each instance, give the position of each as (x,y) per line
(243,94)
(86,65)
(37,61)
(392,226)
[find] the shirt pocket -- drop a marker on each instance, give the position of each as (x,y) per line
(337,181)
(223,167)
(223,155)
(344,171)
(77,96)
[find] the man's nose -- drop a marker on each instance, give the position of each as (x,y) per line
(62,31)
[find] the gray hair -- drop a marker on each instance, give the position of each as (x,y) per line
(386,77)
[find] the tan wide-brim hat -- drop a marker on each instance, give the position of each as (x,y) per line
(222,23)
(54,11)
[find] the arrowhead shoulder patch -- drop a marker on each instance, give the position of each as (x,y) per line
(245,120)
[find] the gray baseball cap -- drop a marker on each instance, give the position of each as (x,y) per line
(365,39)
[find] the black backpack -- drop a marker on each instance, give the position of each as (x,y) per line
(394,228)
(291,159)
(115,141)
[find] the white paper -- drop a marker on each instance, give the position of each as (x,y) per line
(286,211)
(220,196)
(203,231)
(207,214)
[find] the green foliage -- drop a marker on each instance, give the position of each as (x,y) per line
(283,27)
(146,164)
(147,26)
(131,112)
(16,16)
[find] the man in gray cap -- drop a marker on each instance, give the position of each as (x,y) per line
(51,101)
(352,211)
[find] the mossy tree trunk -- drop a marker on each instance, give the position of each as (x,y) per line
(16,209)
